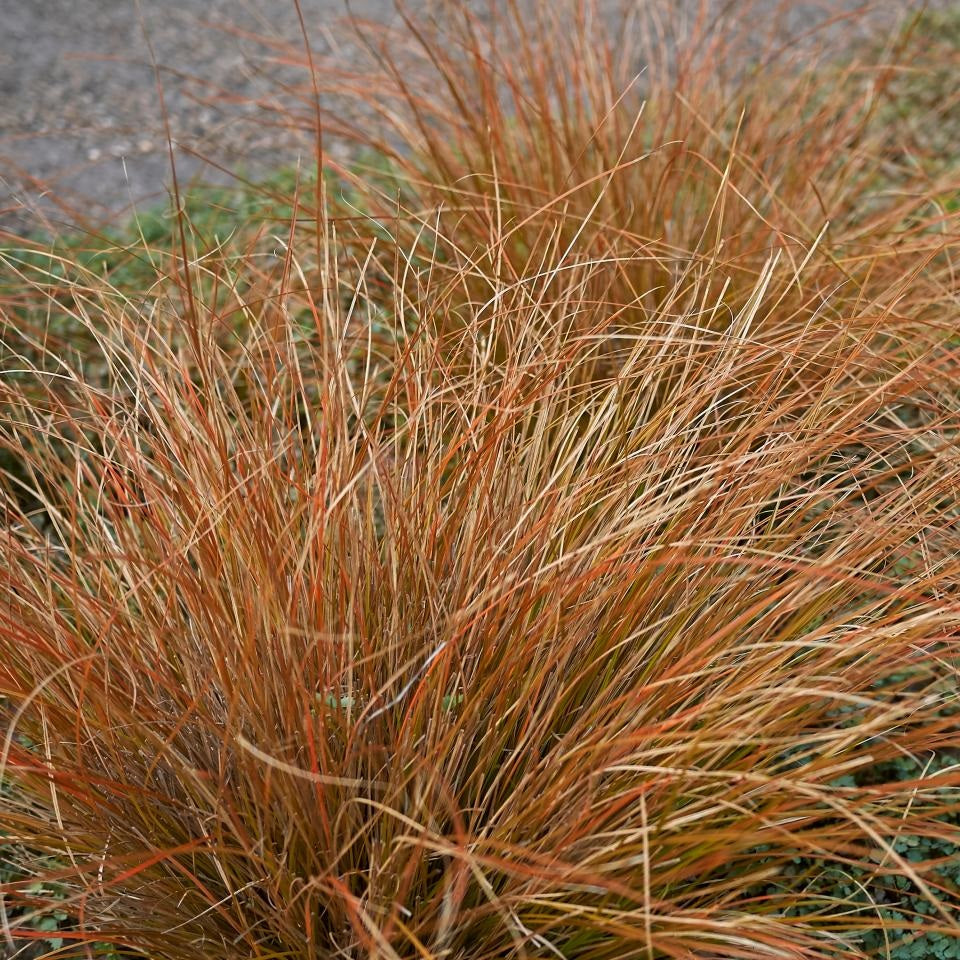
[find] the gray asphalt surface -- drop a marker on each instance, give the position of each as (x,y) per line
(80,113)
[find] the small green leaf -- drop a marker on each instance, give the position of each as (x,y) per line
(336,703)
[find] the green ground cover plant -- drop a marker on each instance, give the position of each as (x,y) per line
(549,549)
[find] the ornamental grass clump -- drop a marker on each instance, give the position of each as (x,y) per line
(440,585)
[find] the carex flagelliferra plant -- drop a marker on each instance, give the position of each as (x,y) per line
(548,565)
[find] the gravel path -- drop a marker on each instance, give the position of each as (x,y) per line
(79,111)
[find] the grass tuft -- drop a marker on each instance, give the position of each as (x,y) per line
(547,549)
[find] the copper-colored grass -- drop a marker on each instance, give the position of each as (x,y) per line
(656,138)
(496,591)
